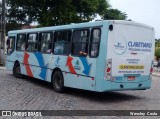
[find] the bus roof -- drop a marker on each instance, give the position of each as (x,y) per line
(79,25)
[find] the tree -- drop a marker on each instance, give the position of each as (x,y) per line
(55,12)
(13,26)
(157,48)
(115,14)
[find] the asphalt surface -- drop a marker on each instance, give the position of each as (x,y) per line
(33,94)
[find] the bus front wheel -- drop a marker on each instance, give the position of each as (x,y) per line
(17,70)
(58,82)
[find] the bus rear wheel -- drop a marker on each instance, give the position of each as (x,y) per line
(17,70)
(58,82)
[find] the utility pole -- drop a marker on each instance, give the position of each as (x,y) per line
(2,32)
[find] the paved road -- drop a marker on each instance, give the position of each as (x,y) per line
(33,94)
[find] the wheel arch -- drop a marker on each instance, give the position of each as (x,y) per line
(16,62)
(15,73)
(54,70)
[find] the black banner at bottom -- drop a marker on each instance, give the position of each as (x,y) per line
(28,113)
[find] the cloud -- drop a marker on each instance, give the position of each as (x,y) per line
(143,11)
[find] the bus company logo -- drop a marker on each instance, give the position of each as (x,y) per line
(120,47)
(57,62)
(77,67)
(77,63)
(58,59)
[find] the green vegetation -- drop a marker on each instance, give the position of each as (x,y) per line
(115,14)
(59,12)
(157,48)
(55,12)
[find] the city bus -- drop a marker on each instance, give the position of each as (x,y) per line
(107,55)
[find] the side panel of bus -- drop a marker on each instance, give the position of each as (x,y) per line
(82,74)
(35,65)
(78,71)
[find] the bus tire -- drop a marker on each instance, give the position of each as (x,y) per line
(17,70)
(58,81)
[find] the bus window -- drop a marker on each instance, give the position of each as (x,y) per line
(32,42)
(45,42)
(10,45)
(21,41)
(80,42)
(62,42)
(95,42)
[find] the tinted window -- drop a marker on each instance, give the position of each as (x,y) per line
(80,42)
(45,42)
(32,42)
(21,42)
(95,42)
(62,43)
(10,45)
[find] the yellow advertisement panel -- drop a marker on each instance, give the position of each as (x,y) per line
(131,66)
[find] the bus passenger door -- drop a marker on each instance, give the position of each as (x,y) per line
(10,43)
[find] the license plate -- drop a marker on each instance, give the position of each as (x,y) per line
(131,78)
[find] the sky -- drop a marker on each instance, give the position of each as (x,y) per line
(142,11)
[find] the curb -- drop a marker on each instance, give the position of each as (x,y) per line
(2,68)
(155,74)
